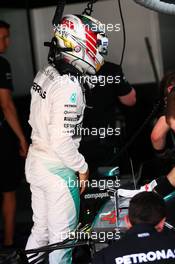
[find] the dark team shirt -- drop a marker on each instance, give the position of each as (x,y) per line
(101,100)
(5,74)
(141,244)
(5,80)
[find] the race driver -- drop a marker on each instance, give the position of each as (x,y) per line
(56,114)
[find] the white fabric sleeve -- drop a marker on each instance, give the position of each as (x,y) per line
(158,5)
(62,121)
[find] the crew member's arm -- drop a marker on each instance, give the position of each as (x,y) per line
(62,122)
(129,99)
(159,133)
(83,178)
(10,114)
(126,93)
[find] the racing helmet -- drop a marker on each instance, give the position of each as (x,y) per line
(86,38)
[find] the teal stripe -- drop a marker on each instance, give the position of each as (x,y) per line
(169,196)
(72,182)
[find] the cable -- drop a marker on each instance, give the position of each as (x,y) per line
(132,139)
(133,173)
(124,32)
(152,61)
(89,9)
(58,12)
(155,107)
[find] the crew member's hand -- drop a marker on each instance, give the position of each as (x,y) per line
(23,148)
(83,178)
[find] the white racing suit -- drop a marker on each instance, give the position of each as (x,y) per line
(57,107)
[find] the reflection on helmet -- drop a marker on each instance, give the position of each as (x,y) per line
(86,36)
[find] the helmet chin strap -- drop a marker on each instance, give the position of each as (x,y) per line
(90,67)
(75,64)
(78,66)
